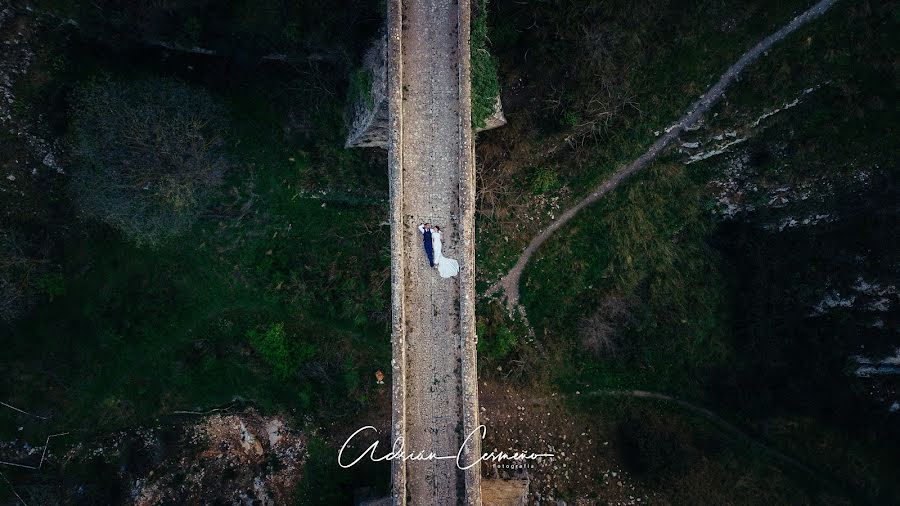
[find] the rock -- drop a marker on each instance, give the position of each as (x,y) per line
(495,120)
(369,119)
(223,458)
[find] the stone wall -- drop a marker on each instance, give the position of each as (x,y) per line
(367,131)
(394,80)
(469,366)
(368,122)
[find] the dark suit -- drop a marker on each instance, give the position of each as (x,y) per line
(429,251)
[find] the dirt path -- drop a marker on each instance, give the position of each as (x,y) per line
(431,173)
(509,283)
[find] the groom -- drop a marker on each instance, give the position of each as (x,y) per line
(425,229)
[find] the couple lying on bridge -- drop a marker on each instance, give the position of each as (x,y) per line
(447,267)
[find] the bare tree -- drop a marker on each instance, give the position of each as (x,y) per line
(600,330)
(19,274)
(149,153)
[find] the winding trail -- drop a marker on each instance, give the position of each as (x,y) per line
(509,284)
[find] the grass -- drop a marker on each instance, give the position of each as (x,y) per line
(719,312)
(600,81)
(650,239)
(141,333)
(485,83)
(290,241)
(498,335)
(645,243)
(361,87)
(277,294)
(274,297)
(680,458)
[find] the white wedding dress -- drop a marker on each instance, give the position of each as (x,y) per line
(447,267)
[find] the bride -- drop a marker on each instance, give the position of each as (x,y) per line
(447,267)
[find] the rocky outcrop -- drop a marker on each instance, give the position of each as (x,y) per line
(223,458)
(495,120)
(369,112)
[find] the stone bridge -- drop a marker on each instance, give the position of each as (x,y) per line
(431,166)
(420,111)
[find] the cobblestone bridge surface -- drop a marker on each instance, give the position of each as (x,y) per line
(431,163)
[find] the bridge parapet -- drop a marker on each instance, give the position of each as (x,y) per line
(368,115)
(423,119)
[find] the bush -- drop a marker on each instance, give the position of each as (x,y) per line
(274,348)
(543,179)
(600,331)
(498,336)
(499,344)
(570,119)
(149,153)
(21,270)
(282,353)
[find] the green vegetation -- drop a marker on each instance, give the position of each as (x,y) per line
(663,295)
(150,153)
(654,243)
(268,279)
(598,80)
(497,337)
(189,314)
(644,245)
(284,354)
(485,83)
(361,87)
(274,290)
(543,180)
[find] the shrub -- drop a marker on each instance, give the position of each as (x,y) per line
(498,336)
(19,275)
(500,344)
(543,179)
(570,119)
(149,153)
(600,331)
(284,354)
(274,347)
